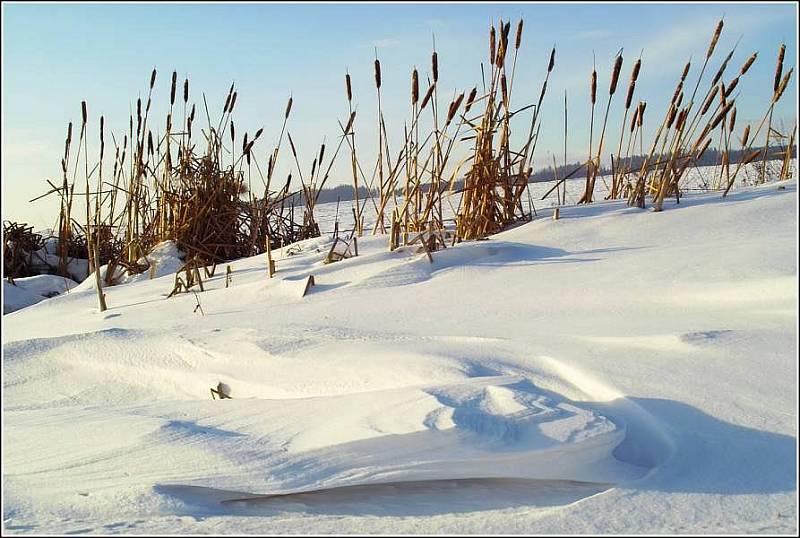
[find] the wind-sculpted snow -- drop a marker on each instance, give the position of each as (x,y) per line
(615,371)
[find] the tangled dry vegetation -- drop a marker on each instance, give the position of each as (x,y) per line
(195,185)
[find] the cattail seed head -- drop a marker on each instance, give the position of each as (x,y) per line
(721,115)
(779,67)
(594,86)
(731,87)
(350,122)
(782,85)
(153,78)
(454,108)
(552,61)
(722,68)
(748,63)
(732,123)
(470,99)
(750,158)
(492,43)
(321,153)
(435,66)
(150,142)
(518,41)
(414,87)
(635,72)
(642,107)
(714,39)
(244,143)
(233,102)
(83,112)
(185,91)
(348,88)
(671,117)
(615,75)
(191,115)
(288,109)
(746,135)
(258,133)
(233,132)
(709,100)
(504,89)
(428,95)
(703,148)
(377,74)
(629,97)
(172,89)
(686,70)
(681,119)
(634,118)
(227,104)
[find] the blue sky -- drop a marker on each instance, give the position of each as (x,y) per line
(54,56)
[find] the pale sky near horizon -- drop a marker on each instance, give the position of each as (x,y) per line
(56,55)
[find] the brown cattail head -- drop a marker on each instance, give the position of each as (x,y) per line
(748,63)
(291,145)
(634,118)
(732,123)
(244,143)
(722,94)
(347,86)
(233,102)
(594,86)
(191,114)
(427,97)
(150,142)
(722,68)
(629,97)
(671,114)
(642,107)
(492,43)
(435,66)
(227,104)
(258,133)
(377,74)
(102,139)
(686,70)
(233,132)
(681,119)
(615,75)
(714,39)
(746,135)
(172,89)
(782,85)
(350,122)
(721,115)
(321,153)
(470,99)
(518,41)
(288,109)
(779,67)
(83,112)
(169,122)
(153,78)
(451,112)
(709,100)
(185,91)
(504,89)
(635,72)
(69,134)
(552,61)
(703,148)
(679,100)
(414,87)
(731,87)
(750,158)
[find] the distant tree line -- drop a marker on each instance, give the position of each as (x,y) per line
(711,157)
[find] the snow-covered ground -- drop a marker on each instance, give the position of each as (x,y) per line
(616,370)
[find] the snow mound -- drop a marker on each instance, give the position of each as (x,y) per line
(28,291)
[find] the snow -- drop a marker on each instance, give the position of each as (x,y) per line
(30,290)
(616,371)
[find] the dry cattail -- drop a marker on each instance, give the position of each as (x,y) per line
(634,118)
(615,75)
(427,97)
(288,109)
(102,139)
(629,97)
(291,145)
(746,135)
(454,108)
(83,112)
(227,104)
(258,133)
(150,149)
(779,67)
(153,78)
(748,63)
(233,132)
(518,41)
(69,134)
(782,86)
(722,68)
(504,89)
(348,87)
(671,115)
(594,86)
(414,87)
(686,70)
(244,143)
(492,43)
(435,66)
(552,61)
(185,91)
(679,100)
(714,39)
(704,148)
(350,122)
(321,153)
(169,122)
(172,89)
(709,100)
(720,116)
(377,74)
(750,158)
(681,119)
(732,123)
(731,87)
(191,115)
(470,99)
(642,107)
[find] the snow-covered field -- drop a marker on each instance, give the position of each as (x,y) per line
(616,370)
